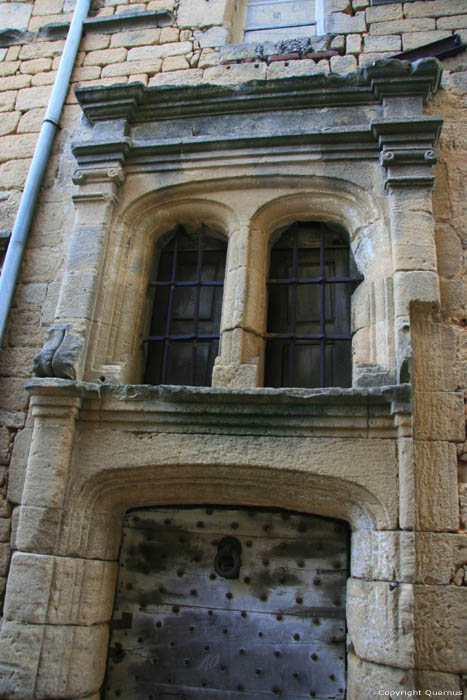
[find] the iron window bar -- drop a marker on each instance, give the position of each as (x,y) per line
(290,337)
(169,339)
(253,28)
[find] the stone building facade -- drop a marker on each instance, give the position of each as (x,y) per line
(174,123)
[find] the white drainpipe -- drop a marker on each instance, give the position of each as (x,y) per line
(38,165)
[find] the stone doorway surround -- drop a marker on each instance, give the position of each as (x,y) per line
(356,150)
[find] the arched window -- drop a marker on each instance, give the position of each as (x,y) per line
(186,289)
(311,278)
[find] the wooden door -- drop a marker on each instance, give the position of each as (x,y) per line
(216,603)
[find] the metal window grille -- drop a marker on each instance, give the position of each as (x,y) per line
(186,289)
(308,337)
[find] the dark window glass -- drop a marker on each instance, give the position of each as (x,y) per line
(311,279)
(187,287)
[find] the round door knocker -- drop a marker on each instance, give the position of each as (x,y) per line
(227,561)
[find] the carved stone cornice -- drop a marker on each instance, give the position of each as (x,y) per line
(110,154)
(174,409)
(216,126)
(418,129)
(137,103)
(393,78)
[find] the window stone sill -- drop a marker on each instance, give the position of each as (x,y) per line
(329,412)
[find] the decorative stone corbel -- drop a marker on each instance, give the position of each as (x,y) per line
(407,150)
(59,353)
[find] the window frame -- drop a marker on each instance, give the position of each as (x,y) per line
(323,281)
(241,29)
(168,338)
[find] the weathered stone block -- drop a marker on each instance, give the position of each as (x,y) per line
(47,7)
(15,15)
(214,37)
(16,362)
(9,122)
(105,57)
(367,680)
(414,286)
(338,43)
(361,346)
(201,13)
(4,443)
(59,590)
(4,529)
(138,78)
(33,97)
(391,42)
(131,67)
(35,23)
(7,102)
(79,669)
(36,65)
(135,37)
(40,79)
(27,593)
(285,69)
(208,58)
(174,63)
(438,342)
(412,40)
(383,556)
(18,464)
(236,74)
(380,622)
(171,34)
(399,26)
(342,23)
(453,292)
(439,557)
(150,53)
(407,515)
(95,42)
(14,398)
(353,43)
(14,82)
(454,22)
(435,477)
(439,416)
(35,529)
(20,647)
(237,52)
(434,8)
(448,250)
(382,13)
(9,68)
(343,64)
(440,614)
(87,73)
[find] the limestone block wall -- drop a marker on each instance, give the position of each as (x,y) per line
(193,45)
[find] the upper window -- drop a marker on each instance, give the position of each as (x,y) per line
(186,289)
(311,279)
(279,20)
